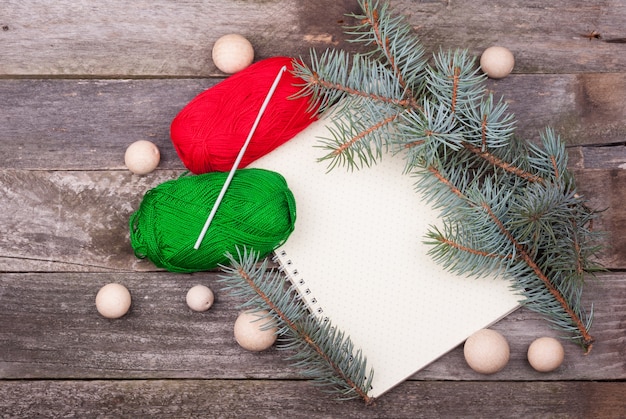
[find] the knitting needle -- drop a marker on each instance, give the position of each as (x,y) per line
(239,157)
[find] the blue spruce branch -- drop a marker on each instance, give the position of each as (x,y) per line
(319,349)
(506,204)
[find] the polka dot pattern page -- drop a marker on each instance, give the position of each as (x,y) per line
(357,256)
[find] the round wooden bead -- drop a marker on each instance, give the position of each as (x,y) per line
(200,298)
(251,333)
(142,157)
(545,354)
(486,351)
(232,53)
(497,62)
(113,301)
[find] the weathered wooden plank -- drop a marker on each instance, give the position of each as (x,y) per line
(272,399)
(545,37)
(584,109)
(606,191)
(601,157)
(71,221)
(78,220)
(87,124)
(167,38)
(156,38)
(61,335)
(50,329)
(524,326)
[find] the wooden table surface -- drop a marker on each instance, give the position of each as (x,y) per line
(80,81)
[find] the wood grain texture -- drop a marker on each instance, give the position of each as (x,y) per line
(87,124)
(545,37)
(165,37)
(611,157)
(78,220)
(51,330)
(295,399)
(80,81)
(605,190)
(584,109)
(71,221)
(156,38)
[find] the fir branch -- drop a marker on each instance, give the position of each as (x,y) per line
(574,317)
(345,147)
(321,83)
(364,89)
(347,144)
(506,204)
(447,242)
(338,75)
(387,77)
(497,162)
(320,350)
(441,178)
(393,43)
(453,80)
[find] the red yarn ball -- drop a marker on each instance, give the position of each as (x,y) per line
(209,132)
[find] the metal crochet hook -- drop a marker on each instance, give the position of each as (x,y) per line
(239,157)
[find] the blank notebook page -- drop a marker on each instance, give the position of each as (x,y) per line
(357,256)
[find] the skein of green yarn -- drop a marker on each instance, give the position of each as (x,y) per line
(258,212)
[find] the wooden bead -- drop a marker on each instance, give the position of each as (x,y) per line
(142,157)
(113,301)
(232,53)
(497,62)
(486,351)
(545,354)
(251,333)
(200,298)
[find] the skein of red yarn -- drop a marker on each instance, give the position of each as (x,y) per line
(209,132)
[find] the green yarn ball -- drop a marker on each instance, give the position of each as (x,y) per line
(258,212)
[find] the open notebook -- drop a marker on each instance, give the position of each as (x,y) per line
(357,256)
